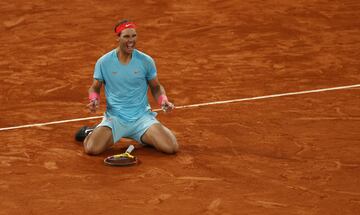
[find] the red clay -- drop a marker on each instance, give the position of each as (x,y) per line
(289,155)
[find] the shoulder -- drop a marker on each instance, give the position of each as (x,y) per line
(145,58)
(107,56)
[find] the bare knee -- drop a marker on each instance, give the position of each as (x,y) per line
(90,148)
(171,146)
(92,151)
(161,138)
(98,141)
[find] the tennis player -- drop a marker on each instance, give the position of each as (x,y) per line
(126,74)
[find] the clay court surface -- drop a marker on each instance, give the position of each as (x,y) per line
(296,154)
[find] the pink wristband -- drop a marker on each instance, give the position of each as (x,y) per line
(94,96)
(161,99)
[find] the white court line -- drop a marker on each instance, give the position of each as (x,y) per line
(194,105)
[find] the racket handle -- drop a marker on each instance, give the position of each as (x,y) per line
(130,149)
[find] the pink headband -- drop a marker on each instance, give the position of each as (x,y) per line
(124,26)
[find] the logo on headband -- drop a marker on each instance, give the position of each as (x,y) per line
(124,26)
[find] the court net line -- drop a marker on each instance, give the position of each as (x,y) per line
(193,105)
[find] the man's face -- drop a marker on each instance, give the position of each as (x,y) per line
(127,40)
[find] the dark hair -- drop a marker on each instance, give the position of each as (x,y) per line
(120,23)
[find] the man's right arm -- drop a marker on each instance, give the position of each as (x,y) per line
(94,95)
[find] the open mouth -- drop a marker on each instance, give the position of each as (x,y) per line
(130,46)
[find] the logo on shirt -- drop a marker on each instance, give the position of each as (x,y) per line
(114,73)
(136,71)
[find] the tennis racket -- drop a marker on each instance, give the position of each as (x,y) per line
(124,159)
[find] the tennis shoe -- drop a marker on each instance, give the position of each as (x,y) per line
(83,133)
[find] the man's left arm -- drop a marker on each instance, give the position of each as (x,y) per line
(159,94)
